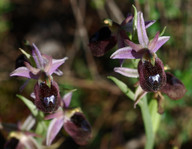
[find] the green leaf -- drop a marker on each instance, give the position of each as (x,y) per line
(135,18)
(155,116)
(163,31)
(123,87)
(29,104)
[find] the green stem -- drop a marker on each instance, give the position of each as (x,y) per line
(150,137)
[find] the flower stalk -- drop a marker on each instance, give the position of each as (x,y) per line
(150,135)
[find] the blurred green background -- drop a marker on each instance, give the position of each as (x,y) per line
(62,28)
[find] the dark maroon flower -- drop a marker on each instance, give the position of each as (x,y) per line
(72,120)
(78,128)
(151,77)
(174,88)
(11,143)
(107,37)
(102,41)
(20,61)
(47,99)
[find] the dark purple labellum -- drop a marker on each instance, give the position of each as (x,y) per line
(47,98)
(102,41)
(20,61)
(174,88)
(102,34)
(79,120)
(78,128)
(12,143)
(151,78)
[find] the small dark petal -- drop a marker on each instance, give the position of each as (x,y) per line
(78,128)
(20,61)
(151,78)
(12,143)
(47,99)
(102,41)
(174,88)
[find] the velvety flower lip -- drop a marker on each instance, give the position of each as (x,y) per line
(133,51)
(78,128)
(42,62)
(47,99)
(151,78)
(72,120)
(102,41)
(20,61)
(174,88)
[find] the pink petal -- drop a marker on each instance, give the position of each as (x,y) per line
(33,70)
(136,47)
(54,129)
(55,64)
(161,41)
(23,72)
(48,63)
(141,30)
(67,99)
(128,72)
(28,142)
(149,23)
(57,114)
(153,42)
(58,72)
(139,94)
(127,20)
(37,57)
(125,53)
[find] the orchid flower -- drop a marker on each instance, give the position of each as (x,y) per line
(20,140)
(152,77)
(21,137)
(44,64)
(151,70)
(136,51)
(107,37)
(46,90)
(72,120)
